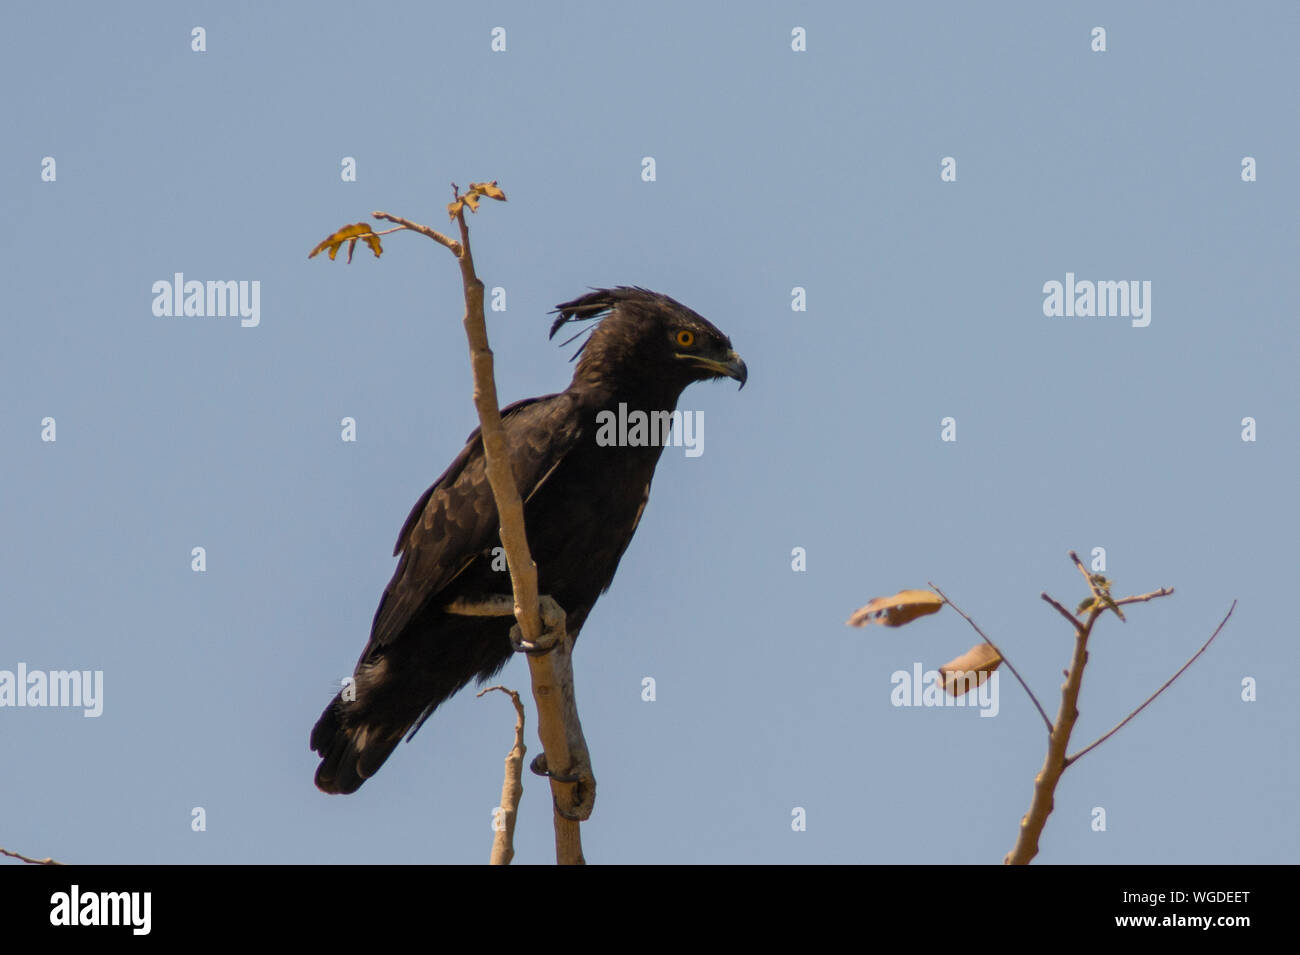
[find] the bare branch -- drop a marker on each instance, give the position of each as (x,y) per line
(1074,621)
(30,861)
(1087,574)
(1122,723)
(1142,598)
(512,787)
(1031,826)
(1010,667)
(572,784)
(549,690)
(1099,586)
(424,230)
(1055,762)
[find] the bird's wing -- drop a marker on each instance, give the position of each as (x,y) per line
(456,519)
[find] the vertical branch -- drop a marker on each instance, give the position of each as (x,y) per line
(1031,826)
(512,787)
(561,733)
(547,684)
(1056,761)
(496,452)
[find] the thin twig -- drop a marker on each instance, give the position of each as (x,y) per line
(1141,598)
(1100,595)
(1162,592)
(512,786)
(1121,724)
(424,230)
(29,861)
(1064,613)
(1087,574)
(999,652)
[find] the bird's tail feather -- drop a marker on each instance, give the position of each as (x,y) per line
(396,688)
(351,752)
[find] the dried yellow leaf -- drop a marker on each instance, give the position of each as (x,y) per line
(489,189)
(353,232)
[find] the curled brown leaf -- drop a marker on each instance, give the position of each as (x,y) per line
(903,607)
(969,670)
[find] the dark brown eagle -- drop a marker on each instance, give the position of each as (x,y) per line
(583,497)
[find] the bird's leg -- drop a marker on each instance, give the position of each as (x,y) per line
(577,803)
(582,798)
(502,605)
(553,625)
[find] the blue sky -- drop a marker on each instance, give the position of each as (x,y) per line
(775,169)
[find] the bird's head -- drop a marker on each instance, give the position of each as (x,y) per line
(647,338)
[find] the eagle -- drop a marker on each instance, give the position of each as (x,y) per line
(583,496)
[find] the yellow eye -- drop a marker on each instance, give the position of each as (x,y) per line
(685,339)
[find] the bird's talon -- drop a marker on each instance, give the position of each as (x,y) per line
(521,645)
(538,766)
(553,630)
(583,795)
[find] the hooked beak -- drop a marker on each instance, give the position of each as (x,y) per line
(733,366)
